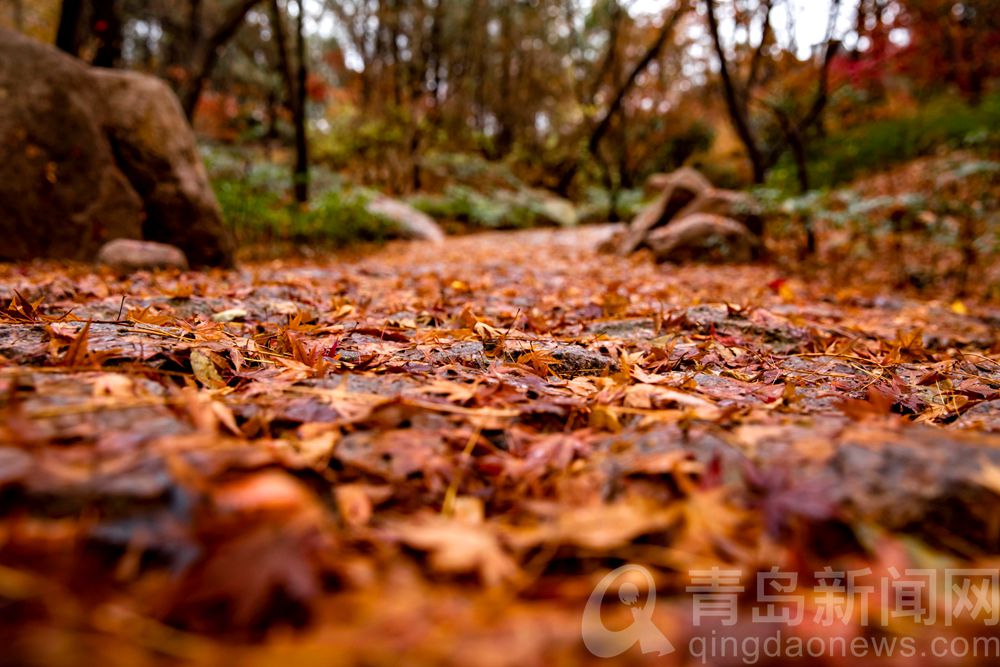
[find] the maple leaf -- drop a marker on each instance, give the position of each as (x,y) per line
(451,391)
(657,397)
(555,452)
(370,446)
(599,527)
(879,403)
(274,563)
(21,310)
(252,576)
(150,315)
(712,528)
(354,503)
(77,354)
(785,497)
(647,378)
(540,361)
(313,358)
(459,547)
(204,369)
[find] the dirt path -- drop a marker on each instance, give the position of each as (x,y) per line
(438,451)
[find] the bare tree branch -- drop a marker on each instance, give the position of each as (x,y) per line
(602,125)
(205,53)
(738,113)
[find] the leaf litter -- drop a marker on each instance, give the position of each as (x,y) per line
(438,451)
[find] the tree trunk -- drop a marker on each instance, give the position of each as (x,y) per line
(801,163)
(795,140)
(19,14)
(301,140)
(604,124)
(738,114)
(68,34)
(107,27)
(205,54)
(281,45)
(416,179)
(191,91)
(295,84)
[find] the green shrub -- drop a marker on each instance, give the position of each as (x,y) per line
(942,123)
(335,217)
(252,214)
(596,206)
(340,217)
(501,209)
(470,170)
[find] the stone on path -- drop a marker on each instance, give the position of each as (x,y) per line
(128,256)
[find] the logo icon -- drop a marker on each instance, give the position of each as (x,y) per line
(605,643)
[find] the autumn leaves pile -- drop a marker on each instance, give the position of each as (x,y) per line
(432,450)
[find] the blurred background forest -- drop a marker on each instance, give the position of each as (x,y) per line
(513,113)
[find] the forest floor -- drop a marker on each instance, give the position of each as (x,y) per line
(433,454)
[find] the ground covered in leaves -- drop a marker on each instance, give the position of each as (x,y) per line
(437,452)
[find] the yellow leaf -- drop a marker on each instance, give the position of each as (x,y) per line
(989,478)
(113,385)
(959,308)
(457,547)
(205,371)
(604,419)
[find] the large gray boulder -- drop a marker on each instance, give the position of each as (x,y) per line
(92,155)
(703,237)
(156,149)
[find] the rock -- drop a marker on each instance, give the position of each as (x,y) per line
(679,189)
(984,417)
(155,148)
(409,222)
(570,358)
(577,360)
(61,193)
(738,206)
(555,210)
(909,478)
(91,156)
(128,256)
(14,465)
(628,329)
(544,207)
(703,238)
(916,479)
(231,315)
